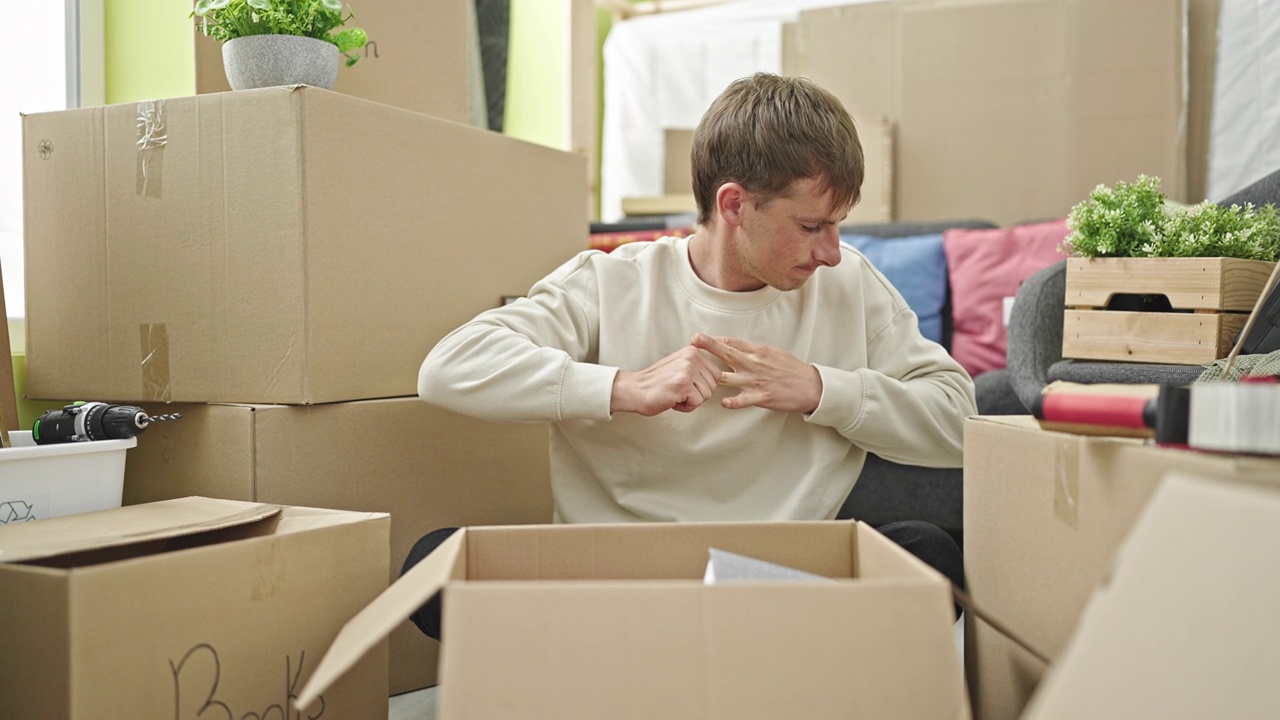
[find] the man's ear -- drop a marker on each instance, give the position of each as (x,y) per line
(730,199)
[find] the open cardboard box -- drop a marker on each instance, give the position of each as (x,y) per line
(592,621)
(185,608)
(1184,624)
(1045,514)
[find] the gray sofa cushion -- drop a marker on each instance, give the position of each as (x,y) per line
(907,229)
(1035,331)
(1088,372)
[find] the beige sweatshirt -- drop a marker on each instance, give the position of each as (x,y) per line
(552,357)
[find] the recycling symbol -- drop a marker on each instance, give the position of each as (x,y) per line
(45,148)
(16,511)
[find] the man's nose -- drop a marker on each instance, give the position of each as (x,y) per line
(827,251)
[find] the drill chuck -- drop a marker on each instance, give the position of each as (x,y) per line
(82,422)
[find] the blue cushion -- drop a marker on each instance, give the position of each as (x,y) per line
(917,267)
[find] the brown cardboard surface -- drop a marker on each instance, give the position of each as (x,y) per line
(233,623)
(29,541)
(601,621)
(1002,675)
(427,467)
(1183,625)
(677,173)
(1010,109)
(1044,515)
(287,245)
(416,57)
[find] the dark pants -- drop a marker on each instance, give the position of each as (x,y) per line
(926,541)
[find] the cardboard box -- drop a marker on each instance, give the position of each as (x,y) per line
(287,245)
(426,467)
(1182,626)
(578,621)
(1010,110)
(185,608)
(1044,514)
(416,58)
(677,171)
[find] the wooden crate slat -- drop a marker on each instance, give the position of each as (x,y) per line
(1156,337)
(1189,283)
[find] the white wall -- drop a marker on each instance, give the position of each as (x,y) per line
(33,79)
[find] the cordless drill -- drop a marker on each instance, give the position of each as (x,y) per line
(85,421)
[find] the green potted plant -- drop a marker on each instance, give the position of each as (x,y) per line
(1154,281)
(280,42)
(1135,220)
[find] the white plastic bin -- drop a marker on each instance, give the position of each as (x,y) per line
(41,481)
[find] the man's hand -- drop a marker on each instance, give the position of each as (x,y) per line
(680,381)
(768,377)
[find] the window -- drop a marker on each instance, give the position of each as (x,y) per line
(46,37)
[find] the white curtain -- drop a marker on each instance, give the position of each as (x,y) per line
(1244,136)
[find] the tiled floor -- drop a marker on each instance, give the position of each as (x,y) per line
(421,704)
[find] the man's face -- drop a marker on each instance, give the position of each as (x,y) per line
(783,242)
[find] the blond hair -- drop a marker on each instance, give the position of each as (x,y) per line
(765,132)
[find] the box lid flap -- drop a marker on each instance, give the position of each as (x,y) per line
(376,621)
(1182,628)
(125,526)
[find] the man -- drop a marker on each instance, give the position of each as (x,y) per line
(742,373)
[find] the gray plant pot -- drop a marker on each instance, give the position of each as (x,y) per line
(257,61)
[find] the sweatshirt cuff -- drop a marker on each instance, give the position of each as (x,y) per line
(843,396)
(586,391)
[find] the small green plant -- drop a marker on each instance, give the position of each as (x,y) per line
(230,19)
(1134,220)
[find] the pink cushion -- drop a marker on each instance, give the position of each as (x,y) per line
(984,267)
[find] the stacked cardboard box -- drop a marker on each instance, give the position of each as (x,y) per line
(291,254)
(1045,513)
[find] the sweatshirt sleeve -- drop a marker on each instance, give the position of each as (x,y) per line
(910,402)
(529,361)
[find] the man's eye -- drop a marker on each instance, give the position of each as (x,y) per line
(811,228)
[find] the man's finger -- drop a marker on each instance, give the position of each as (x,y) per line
(731,379)
(718,348)
(738,344)
(742,400)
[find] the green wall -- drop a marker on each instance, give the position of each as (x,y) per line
(536,84)
(148,49)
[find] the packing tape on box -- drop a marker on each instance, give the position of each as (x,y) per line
(153,134)
(154,339)
(1066,482)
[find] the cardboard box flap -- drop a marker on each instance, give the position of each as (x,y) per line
(1182,627)
(376,621)
(125,526)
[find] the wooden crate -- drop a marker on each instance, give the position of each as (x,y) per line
(1211,299)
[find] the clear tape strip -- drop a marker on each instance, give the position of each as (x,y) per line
(1066,483)
(154,342)
(153,135)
